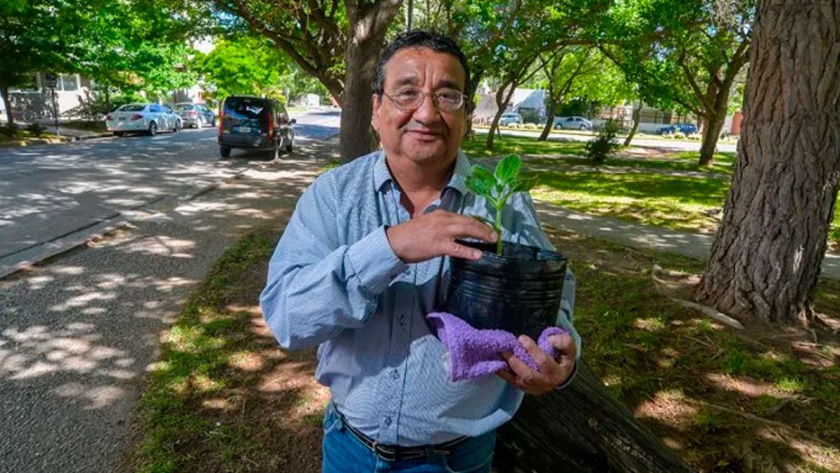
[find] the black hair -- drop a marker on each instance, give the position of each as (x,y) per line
(420,39)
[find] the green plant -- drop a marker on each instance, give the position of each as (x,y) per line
(8,129)
(36,129)
(498,186)
(604,144)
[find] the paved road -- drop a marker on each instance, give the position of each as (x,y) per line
(79,332)
(675,145)
(54,195)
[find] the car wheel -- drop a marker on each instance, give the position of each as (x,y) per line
(152,128)
(119,133)
(177,127)
(224,151)
(582,127)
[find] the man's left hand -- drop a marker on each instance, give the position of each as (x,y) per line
(552,372)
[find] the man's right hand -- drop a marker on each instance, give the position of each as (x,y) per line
(433,234)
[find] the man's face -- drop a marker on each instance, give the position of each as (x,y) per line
(426,134)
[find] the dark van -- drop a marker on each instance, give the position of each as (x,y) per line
(254,122)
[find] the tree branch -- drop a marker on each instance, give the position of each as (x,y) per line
(689,75)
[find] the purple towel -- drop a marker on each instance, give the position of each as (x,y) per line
(474,353)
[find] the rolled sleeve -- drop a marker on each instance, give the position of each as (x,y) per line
(373,262)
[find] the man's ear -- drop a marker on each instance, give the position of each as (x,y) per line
(376,103)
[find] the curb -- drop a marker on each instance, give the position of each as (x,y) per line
(62,139)
(73,244)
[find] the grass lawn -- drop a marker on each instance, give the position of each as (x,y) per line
(679,203)
(645,194)
(23,137)
(225,397)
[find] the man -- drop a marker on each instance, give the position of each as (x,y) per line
(362,262)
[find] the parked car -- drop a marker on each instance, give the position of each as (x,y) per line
(508,119)
(684,128)
(254,122)
(142,117)
(572,123)
(195,115)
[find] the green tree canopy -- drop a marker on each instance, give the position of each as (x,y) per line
(246,65)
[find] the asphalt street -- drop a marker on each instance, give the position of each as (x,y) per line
(78,332)
(52,196)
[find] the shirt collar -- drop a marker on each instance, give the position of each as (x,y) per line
(458,181)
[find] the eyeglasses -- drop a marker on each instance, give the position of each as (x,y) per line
(411,98)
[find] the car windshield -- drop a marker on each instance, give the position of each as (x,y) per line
(132,107)
(183,107)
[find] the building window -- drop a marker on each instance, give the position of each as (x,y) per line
(68,82)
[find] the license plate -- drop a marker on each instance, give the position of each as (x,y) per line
(243,129)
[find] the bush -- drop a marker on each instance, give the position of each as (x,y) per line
(9,130)
(604,144)
(36,129)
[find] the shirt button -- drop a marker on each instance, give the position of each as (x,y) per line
(387,421)
(395,374)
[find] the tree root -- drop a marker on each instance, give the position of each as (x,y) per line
(708,311)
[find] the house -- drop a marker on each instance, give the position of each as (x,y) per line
(33,100)
(530,103)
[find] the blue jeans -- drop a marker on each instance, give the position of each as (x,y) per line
(344,453)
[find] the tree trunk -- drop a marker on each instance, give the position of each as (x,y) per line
(502,100)
(711,134)
(637,117)
(366,36)
(356,110)
(581,428)
(765,260)
(7,102)
(549,121)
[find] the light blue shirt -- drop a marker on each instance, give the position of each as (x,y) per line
(335,281)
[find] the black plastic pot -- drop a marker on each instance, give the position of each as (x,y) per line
(518,291)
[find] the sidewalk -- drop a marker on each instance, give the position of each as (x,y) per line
(693,245)
(67,134)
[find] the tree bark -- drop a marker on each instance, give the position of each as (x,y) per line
(355,133)
(502,100)
(765,260)
(549,120)
(7,102)
(637,117)
(368,24)
(581,428)
(711,134)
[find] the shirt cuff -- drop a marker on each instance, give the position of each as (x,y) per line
(374,262)
(571,376)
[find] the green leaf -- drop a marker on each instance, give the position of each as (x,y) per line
(481,181)
(525,184)
(508,169)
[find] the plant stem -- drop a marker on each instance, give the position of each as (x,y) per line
(498,230)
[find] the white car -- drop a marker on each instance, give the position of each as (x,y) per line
(142,117)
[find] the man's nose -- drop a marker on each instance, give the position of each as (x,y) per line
(427,112)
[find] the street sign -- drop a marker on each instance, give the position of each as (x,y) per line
(50,81)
